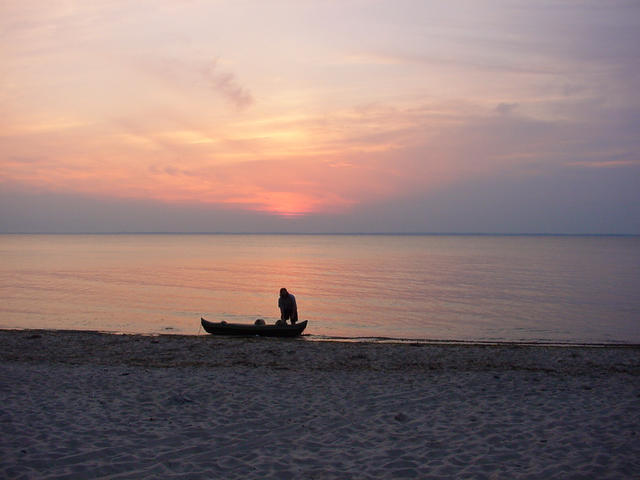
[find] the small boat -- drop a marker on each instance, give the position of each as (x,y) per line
(244,329)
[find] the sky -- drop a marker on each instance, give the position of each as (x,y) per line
(464,116)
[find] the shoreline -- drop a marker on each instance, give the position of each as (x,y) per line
(172,350)
(351,340)
(78,404)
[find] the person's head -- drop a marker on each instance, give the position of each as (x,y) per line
(283,292)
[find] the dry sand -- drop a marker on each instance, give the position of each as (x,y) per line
(88,405)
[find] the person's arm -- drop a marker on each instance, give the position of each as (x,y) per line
(294,310)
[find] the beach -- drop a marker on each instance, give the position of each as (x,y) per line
(94,405)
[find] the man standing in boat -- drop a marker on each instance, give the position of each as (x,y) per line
(288,307)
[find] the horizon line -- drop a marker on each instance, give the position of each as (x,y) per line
(417,234)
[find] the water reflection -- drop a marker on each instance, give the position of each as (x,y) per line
(414,287)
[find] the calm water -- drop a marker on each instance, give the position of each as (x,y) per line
(472,288)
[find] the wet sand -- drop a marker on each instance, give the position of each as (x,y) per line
(92,405)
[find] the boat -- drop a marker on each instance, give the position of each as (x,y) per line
(245,329)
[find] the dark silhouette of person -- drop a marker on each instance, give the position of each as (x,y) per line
(288,307)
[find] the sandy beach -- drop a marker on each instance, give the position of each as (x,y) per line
(90,405)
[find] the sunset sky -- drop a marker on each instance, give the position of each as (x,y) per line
(498,116)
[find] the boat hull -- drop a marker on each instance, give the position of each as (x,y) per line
(247,330)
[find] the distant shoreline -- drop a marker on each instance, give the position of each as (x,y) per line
(342,234)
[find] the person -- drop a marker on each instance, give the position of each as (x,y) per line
(288,307)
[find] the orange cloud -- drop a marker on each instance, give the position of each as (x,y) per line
(285,165)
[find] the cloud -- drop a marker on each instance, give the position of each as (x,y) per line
(506,108)
(227,85)
(604,164)
(178,75)
(32,211)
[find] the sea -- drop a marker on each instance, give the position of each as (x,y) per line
(385,288)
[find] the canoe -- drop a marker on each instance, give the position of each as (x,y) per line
(224,328)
